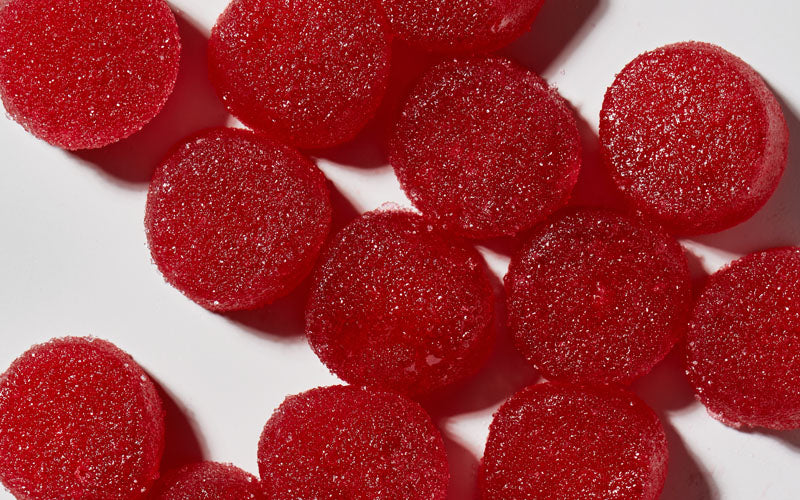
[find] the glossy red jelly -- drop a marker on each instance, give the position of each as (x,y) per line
(561,442)
(485,147)
(209,481)
(693,137)
(743,352)
(349,443)
(79,419)
(236,220)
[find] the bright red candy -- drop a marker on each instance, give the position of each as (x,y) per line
(560,442)
(209,481)
(85,73)
(397,304)
(235,220)
(693,137)
(485,147)
(349,443)
(310,73)
(460,25)
(79,419)
(597,297)
(743,352)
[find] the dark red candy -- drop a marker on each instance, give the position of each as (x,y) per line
(460,25)
(310,73)
(693,137)
(209,481)
(597,297)
(235,220)
(85,73)
(561,442)
(349,443)
(485,147)
(79,419)
(743,353)
(397,304)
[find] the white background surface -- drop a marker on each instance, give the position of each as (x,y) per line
(73,258)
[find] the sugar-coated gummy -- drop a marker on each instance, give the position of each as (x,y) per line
(235,220)
(555,441)
(743,345)
(310,73)
(460,25)
(597,297)
(209,481)
(399,305)
(351,443)
(83,74)
(79,419)
(693,137)
(485,147)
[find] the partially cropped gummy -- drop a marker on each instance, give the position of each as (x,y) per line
(208,481)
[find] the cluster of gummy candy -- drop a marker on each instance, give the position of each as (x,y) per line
(400,305)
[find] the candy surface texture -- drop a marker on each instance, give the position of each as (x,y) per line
(693,137)
(235,220)
(86,73)
(209,481)
(78,419)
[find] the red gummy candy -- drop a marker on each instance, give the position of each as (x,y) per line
(308,72)
(485,147)
(397,304)
(350,443)
(559,442)
(460,25)
(693,137)
(79,419)
(743,352)
(86,73)
(597,297)
(209,481)
(235,220)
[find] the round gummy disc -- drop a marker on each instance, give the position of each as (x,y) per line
(235,220)
(79,419)
(597,297)
(485,148)
(563,442)
(347,442)
(310,73)
(743,353)
(693,137)
(209,481)
(397,304)
(86,73)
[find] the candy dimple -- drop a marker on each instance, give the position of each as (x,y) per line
(78,419)
(310,73)
(209,481)
(743,353)
(235,220)
(399,305)
(597,297)
(560,442)
(86,73)
(693,137)
(485,147)
(346,442)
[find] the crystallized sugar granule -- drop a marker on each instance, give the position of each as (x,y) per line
(209,481)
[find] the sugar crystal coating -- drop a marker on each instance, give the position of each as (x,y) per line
(86,73)
(310,73)
(743,352)
(78,419)
(235,220)
(345,442)
(397,304)
(561,442)
(597,297)
(209,481)
(693,137)
(485,147)
(460,25)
